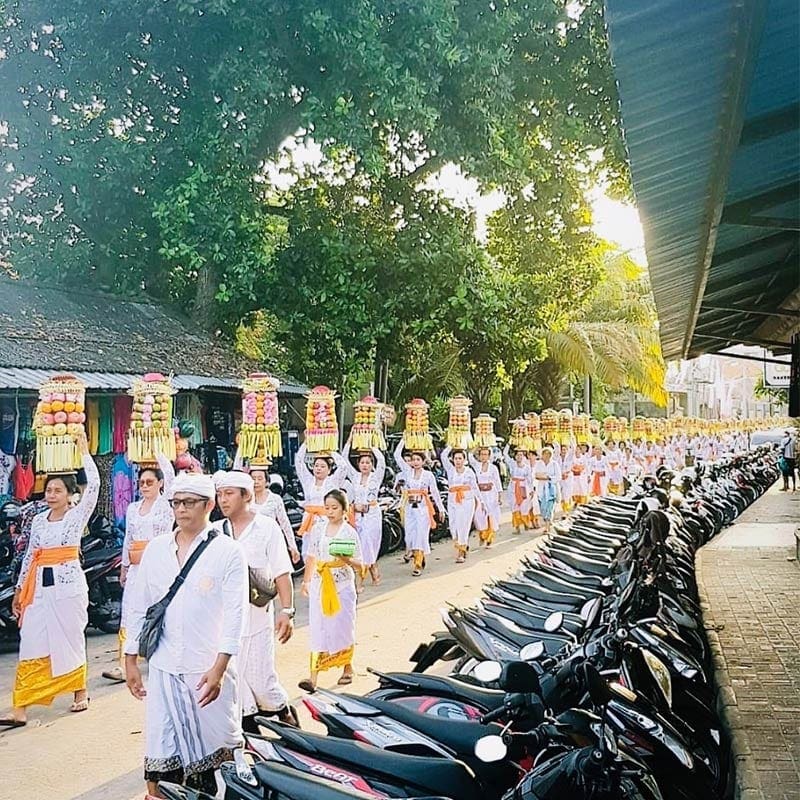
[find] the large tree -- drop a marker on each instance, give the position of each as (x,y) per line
(136,131)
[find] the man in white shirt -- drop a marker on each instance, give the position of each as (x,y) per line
(267,557)
(193,720)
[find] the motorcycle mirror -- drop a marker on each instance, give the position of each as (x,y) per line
(554,622)
(488,671)
(587,609)
(521,677)
(532,651)
(490,749)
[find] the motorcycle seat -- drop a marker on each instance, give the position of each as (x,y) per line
(288,782)
(440,685)
(425,773)
(459,736)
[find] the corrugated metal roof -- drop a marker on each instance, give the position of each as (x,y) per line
(710,102)
(32,379)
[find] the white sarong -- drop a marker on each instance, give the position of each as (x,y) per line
(181,735)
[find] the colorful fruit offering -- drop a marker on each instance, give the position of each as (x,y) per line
(151,431)
(564,433)
(458,429)
(322,427)
(580,427)
(417,433)
(368,424)
(520,435)
(484,431)
(59,419)
(260,434)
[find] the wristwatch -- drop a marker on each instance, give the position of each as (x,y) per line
(290,612)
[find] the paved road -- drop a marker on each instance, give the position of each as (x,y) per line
(97,755)
(752,593)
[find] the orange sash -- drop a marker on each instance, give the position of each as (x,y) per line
(520,490)
(44,557)
(597,486)
(310,516)
(460,492)
(136,550)
(422,496)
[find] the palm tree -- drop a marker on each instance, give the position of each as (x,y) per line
(614,339)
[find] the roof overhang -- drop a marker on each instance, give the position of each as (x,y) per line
(710,104)
(31,379)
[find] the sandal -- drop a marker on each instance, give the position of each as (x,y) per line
(307,686)
(416,573)
(11,723)
(345,680)
(80,705)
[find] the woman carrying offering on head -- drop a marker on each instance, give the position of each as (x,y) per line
(365,482)
(520,489)
(317,483)
(487,515)
(463,498)
(420,495)
(52,598)
(145,519)
(332,560)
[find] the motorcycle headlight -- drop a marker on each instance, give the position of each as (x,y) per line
(661,674)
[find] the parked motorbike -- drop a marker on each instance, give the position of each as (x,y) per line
(583,674)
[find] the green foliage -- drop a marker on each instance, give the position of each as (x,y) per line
(140,139)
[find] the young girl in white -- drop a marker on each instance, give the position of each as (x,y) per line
(329,584)
(462,499)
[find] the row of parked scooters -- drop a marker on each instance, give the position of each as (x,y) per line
(585,675)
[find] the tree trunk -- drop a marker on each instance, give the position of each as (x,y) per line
(549,380)
(203,309)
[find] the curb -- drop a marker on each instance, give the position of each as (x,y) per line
(748,785)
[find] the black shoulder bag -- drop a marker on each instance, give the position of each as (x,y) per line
(154,618)
(262,589)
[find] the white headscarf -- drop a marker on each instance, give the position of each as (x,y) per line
(193,483)
(234,480)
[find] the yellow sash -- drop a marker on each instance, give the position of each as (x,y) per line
(329,597)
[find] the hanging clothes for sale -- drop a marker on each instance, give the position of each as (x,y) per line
(189,409)
(93,425)
(124,476)
(23,480)
(105,442)
(9,424)
(123,405)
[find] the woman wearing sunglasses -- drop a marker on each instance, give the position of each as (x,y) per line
(145,519)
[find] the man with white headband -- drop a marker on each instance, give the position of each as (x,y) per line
(268,561)
(193,721)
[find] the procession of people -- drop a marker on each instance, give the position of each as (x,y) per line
(205,603)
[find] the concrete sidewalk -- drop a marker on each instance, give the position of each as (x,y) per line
(750,589)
